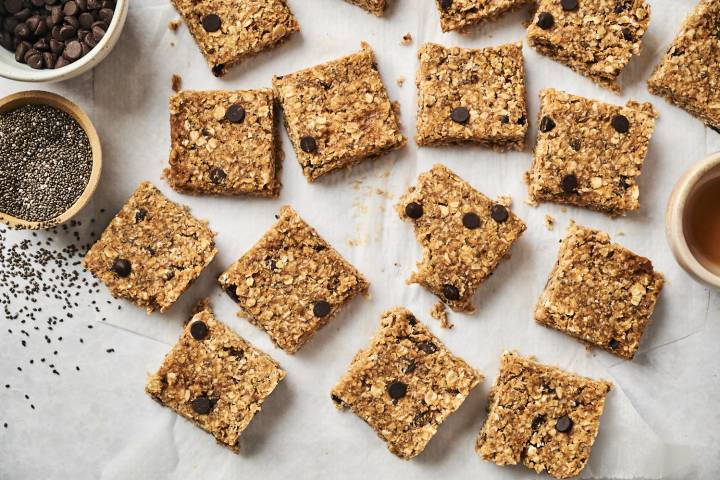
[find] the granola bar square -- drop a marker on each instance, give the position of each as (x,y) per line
(459,14)
(291,283)
(463,233)
(590,153)
(689,73)
(214,378)
(224,143)
(541,416)
(338,114)
(472,95)
(376,7)
(594,38)
(152,250)
(230,31)
(599,292)
(405,384)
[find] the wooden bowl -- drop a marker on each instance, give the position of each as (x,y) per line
(675,215)
(36,97)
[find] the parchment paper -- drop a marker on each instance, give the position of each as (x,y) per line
(661,420)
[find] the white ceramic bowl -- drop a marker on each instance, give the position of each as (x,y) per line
(13,70)
(675,215)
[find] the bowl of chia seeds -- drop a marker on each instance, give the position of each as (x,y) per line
(50,159)
(53,40)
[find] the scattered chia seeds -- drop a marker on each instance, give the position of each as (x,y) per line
(45,162)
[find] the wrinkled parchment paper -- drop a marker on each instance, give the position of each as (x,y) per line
(661,420)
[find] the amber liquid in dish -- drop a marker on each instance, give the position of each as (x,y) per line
(702,224)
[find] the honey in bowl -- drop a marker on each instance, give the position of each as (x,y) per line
(702,224)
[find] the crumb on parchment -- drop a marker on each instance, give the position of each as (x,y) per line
(400,80)
(439,312)
(406,39)
(176,82)
(174,24)
(549,222)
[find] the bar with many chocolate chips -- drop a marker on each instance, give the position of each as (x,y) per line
(405,384)
(460,14)
(689,73)
(595,38)
(338,114)
(464,235)
(590,153)
(376,7)
(599,292)
(230,31)
(215,378)
(472,95)
(53,33)
(152,250)
(542,417)
(291,283)
(224,143)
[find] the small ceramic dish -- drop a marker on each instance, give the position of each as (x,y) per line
(35,97)
(14,70)
(677,214)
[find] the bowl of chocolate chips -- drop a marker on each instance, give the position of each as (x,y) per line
(53,40)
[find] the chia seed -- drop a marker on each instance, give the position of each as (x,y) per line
(45,162)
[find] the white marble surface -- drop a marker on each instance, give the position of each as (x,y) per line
(661,421)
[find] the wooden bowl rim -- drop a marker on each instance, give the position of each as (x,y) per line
(39,97)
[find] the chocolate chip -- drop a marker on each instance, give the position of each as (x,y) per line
(414,210)
(140,215)
(460,115)
(411,319)
(569,5)
(321,308)
(445,4)
(620,123)
(211,23)
(471,220)
(13,6)
(201,405)
(521,120)
(569,183)
(217,175)
(546,124)
(499,213)
(504,119)
(397,390)
(70,9)
(624,182)
(627,34)
(218,69)
(199,330)
(335,398)
(73,50)
(537,421)
(86,20)
(34,59)
(427,347)
(614,343)
(121,267)
(563,424)
(231,291)
(22,31)
(308,144)
(235,113)
(412,366)
(450,292)
(575,144)
(106,15)
(545,21)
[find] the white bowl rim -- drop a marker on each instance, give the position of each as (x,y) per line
(24,73)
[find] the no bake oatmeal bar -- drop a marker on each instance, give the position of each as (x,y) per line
(599,292)
(405,384)
(291,283)
(464,235)
(458,14)
(229,31)
(590,153)
(689,73)
(376,7)
(224,143)
(215,378)
(541,416)
(595,38)
(152,250)
(338,113)
(472,95)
